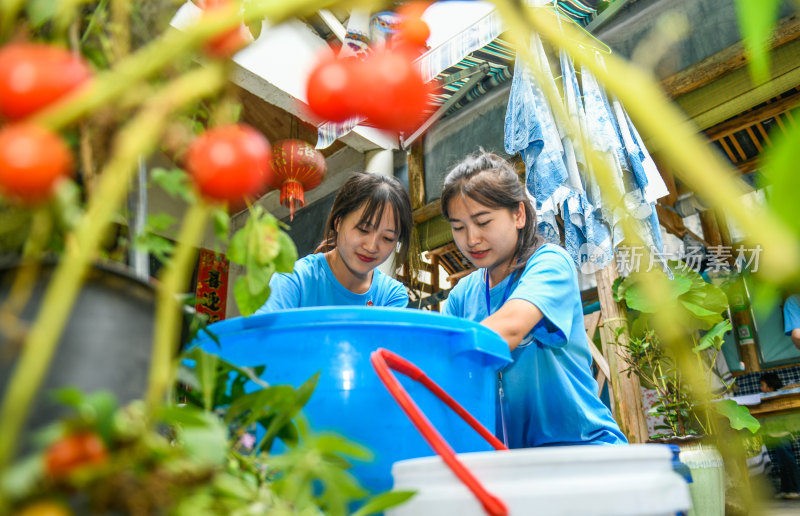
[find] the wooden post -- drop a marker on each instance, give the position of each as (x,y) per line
(416,175)
(626,396)
(741,314)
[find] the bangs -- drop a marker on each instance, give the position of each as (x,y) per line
(484,189)
(374,206)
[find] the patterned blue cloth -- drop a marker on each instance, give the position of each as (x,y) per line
(586,236)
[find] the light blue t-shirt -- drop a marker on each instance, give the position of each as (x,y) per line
(313,284)
(791,314)
(549,391)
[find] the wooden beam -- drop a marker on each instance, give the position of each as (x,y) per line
(726,60)
(708,221)
(626,399)
(427,212)
(416,175)
(749,118)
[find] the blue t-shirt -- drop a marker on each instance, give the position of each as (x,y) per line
(549,391)
(313,284)
(791,314)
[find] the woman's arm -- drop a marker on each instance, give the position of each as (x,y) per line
(796,337)
(514,320)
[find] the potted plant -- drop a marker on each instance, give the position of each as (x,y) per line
(696,423)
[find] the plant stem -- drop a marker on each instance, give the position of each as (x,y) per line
(174,281)
(8,13)
(137,138)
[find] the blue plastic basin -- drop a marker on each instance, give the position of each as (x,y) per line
(461,356)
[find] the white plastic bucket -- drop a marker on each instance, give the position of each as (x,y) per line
(708,475)
(633,480)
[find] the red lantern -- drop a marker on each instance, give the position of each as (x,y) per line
(296,168)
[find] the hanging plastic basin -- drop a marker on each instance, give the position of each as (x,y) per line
(459,355)
(589,480)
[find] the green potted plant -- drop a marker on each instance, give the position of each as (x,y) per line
(696,423)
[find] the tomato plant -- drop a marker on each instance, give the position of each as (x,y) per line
(74,451)
(229,162)
(32,161)
(33,75)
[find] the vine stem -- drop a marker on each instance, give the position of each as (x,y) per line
(137,138)
(174,281)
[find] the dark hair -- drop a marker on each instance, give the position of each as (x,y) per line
(490,180)
(772,380)
(373,192)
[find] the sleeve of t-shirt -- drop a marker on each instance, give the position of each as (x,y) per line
(284,293)
(791,314)
(453,305)
(397,295)
(549,282)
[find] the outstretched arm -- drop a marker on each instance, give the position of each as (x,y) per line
(514,320)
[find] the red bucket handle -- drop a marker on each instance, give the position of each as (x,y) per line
(383,360)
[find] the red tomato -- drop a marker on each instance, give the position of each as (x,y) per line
(229,162)
(228,43)
(334,88)
(74,451)
(34,75)
(32,161)
(44,508)
(413,31)
(398,96)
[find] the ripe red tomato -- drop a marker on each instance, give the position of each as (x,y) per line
(33,75)
(74,451)
(44,508)
(398,96)
(224,45)
(413,31)
(335,88)
(32,161)
(229,162)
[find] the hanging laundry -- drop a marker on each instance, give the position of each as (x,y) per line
(587,237)
(530,129)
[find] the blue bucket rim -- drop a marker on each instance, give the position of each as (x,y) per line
(487,341)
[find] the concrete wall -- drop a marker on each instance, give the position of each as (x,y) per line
(713,26)
(448,142)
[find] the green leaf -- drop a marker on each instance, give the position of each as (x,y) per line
(284,262)
(237,248)
(334,443)
(258,280)
(780,172)
(618,296)
(205,366)
(738,415)
(302,396)
(383,501)
(160,222)
(248,303)
(221,223)
(41,11)
(714,336)
(756,22)
(175,182)
(207,443)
